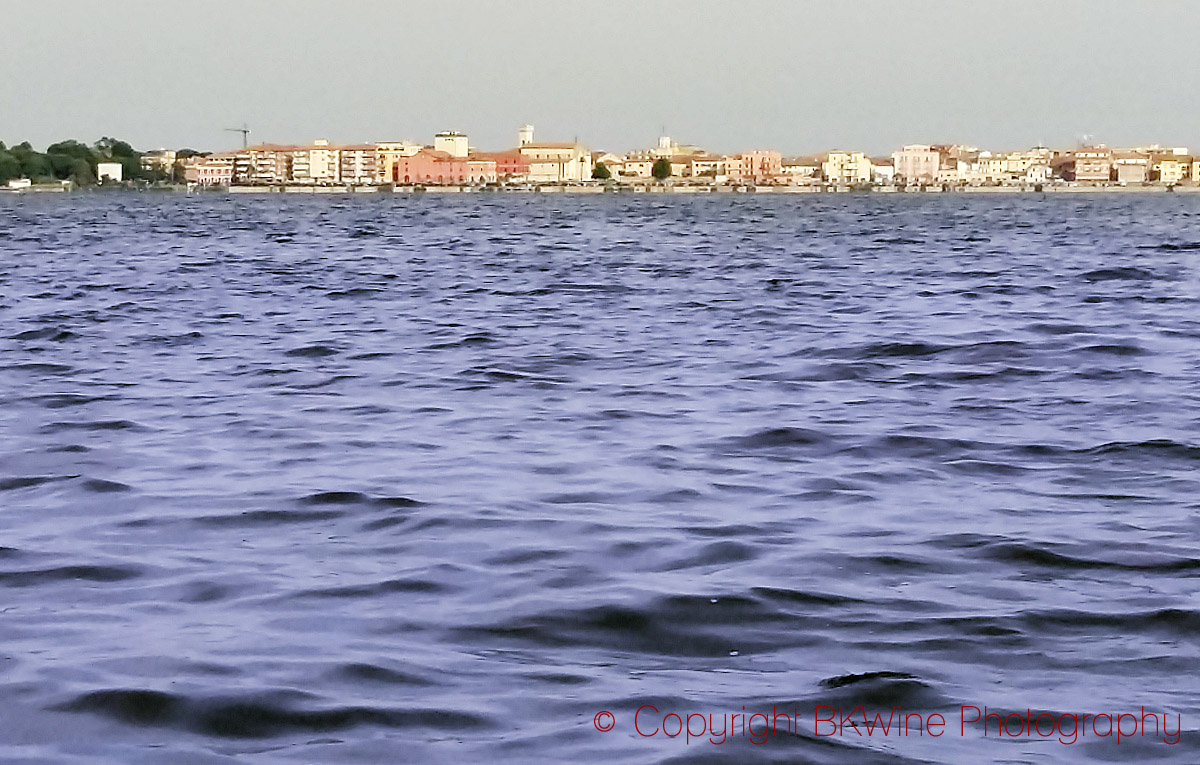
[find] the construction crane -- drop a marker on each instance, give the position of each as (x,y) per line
(245,131)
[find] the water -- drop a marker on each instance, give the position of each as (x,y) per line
(441,480)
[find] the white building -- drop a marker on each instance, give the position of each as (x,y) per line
(883,171)
(555,162)
(111,171)
(316,164)
(709,168)
(453,143)
(917,163)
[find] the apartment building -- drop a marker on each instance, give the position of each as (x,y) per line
(357,164)
(318,164)
(917,163)
(847,167)
(263,164)
(1093,164)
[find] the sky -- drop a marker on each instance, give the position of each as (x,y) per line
(798,76)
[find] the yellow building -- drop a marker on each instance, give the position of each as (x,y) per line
(995,168)
(1173,170)
(847,167)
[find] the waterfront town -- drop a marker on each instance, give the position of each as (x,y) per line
(452,163)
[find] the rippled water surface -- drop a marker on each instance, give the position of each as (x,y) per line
(439,480)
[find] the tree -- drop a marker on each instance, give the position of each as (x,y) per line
(82,173)
(114,148)
(661,169)
(10,166)
(71,149)
(34,165)
(601,172)
(72,160)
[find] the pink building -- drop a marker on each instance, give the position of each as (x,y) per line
(214,170)
(439,168)
(510,165)
(755,166)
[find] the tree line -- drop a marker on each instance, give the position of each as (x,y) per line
(75,161)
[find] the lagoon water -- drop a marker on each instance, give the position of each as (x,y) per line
(440,480)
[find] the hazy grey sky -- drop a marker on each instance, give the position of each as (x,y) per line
(797,75)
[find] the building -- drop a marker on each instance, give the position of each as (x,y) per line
(755,167)
(109,171)
(1172,169)
(555,162)
(1038,173)
(439,168)
(760,166)
(681,166)
(801,171)
(264,164)
(666,148)
(614,162)
(637,167)
(387,154)
(453,143)
(847,167)
(161,161)
(961,165)
(670,149)
(917,164)
(358,164)
(709,168)
(319,164)
(481,170)
(1014,167)
(993,168)
(883,171)
(213,170)
(1131,167)
(1093,164)
(511,166)
(1021,161)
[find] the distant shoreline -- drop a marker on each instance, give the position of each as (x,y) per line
(624,190)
